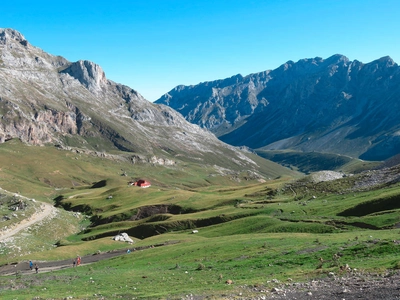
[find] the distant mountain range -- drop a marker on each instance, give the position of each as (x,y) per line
(46,99)
(331,105)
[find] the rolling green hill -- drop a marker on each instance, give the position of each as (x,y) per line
(250,231)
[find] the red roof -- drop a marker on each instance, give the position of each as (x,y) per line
(143,183)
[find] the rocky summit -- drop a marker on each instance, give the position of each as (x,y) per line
(331,105)
(46,99)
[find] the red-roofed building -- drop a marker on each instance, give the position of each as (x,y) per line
(142,183)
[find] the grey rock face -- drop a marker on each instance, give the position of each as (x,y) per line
(327,105)
(10,35)
(217,105)
(47,99)
(88,74)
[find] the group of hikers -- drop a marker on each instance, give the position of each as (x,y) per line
(31,266)
(76,262)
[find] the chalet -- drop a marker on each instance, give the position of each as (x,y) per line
(142,183)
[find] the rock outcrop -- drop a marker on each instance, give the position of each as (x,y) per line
(87,73)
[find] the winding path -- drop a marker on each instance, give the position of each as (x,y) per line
(47,266)
(46,210)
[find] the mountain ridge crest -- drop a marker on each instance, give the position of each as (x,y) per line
(331,105)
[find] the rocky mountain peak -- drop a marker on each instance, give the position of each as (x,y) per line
(8,35)
(16,53)
(386,61)
(88,73)
(336,58)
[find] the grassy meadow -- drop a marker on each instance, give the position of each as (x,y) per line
(251,233)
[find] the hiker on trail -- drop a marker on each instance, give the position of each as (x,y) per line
(36,268)
(30,265)
(74,263)
(78,260)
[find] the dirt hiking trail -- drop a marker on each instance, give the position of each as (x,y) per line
(46,210)
(47,266)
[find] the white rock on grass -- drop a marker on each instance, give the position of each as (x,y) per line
(123,237)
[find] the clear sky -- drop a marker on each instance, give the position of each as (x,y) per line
(154,45)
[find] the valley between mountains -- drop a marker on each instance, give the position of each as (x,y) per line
(283,184)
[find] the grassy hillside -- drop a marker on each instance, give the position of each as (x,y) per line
(49,173)
(41,172)
(253,234)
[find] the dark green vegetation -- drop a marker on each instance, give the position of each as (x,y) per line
(254,233)
(308,162)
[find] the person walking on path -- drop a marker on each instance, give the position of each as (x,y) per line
(36,268)
(30,265)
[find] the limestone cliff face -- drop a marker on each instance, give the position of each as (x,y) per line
(41,129)
(326,105)
(87,73)
(47,99)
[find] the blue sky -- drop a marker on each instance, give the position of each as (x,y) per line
(154,45)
